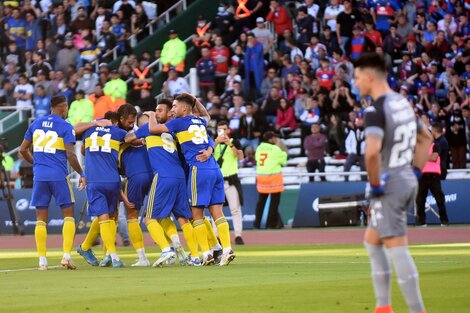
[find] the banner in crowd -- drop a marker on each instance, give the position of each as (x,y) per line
(22,199)
(456,193)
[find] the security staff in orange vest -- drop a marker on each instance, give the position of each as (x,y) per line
(143,75)
(270,156)
(202,36)
(431,181)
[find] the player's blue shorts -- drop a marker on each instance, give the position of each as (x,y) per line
(103,198)
(137,187)
(205,187)
(44,190)
(168,195)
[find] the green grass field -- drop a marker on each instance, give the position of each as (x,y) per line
(323,279)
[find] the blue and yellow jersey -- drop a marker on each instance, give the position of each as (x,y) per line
(49,136)
(101,153)
(162,153)
(192,135)
(134,160)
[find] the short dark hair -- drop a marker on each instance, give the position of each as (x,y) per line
(437,127)
(189,100)
(126,110)
(223,123)
(112,116)
(58,100)
(166,102)
(372,61)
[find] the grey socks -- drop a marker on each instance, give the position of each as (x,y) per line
(381,272)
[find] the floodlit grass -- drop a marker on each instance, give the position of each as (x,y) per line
(323,279)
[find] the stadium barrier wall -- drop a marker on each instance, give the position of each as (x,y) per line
(456,195)
(298,208)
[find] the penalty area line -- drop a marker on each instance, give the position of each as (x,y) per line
(28,269)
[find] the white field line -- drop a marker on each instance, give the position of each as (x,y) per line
(28,269)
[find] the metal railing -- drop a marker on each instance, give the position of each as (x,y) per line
(19,113)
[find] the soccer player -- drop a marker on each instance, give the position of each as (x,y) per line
(168,191)
(396,151)
(102,145)
(135,165)
(53,142)
(205,183)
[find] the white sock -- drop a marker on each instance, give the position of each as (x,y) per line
(67,256)
(166,250)
(141,254)
(216,247)
(227,250)
(42,260)
(205,254)
(175,239)
(114,257)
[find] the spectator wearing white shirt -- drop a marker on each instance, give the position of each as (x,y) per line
(117,5)
(312,10)
(447,25)
(263,35)
(175,85)
(23,93)
(331,12)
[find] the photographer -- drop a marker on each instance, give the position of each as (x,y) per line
(227,152)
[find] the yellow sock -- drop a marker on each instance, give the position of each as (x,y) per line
(191,242)
(201,234)
(157,234)
(224,232)
(211,237)
(106,230)
(135,233)
(40,234)
(113,224)
(92,235)
(169,227)
(68,233)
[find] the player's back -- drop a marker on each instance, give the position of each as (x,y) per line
(101,153)
(400,129)
(49,136)
(192,135)
(134,160)
(162,153)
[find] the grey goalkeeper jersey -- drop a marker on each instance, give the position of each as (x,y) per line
(392,119)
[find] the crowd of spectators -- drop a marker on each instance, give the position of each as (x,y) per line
(264,65)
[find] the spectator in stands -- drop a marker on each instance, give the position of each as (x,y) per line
(285,119)
(271,104)
(33,30)
(47,84)
(393,42)
(355,147)
(270,156)
(206,72)
(224,22)
(254,67)
(249,160)
(15,29)
(88,81)
(331,13)
(6,94)
(67,56)
(404,29)
(456,137)
(438,47)
(40,65)
(143,79)
(100,15)
(336,135)
(119,30)
(279,17)
(235,113)
(325,74)
(382,12)
(42,103)
(146,102)
(220,54)
(372,34)
(313,9)
(23,93)
(315,145)
(82,22)
(13,56)
(227,96)
(345,22)
(175,85)
(232,77)
(343,101)
(81,110)
(252,126)
(328,39)
(267,83)
(466,119)
(447,25)
(304,27)
(358,44)
(245,13)
(202,36)
(263,36)
(173,53)
(89,53)
(308,116)
(124,5)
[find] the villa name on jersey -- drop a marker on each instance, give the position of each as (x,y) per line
(196,121)
(47,124)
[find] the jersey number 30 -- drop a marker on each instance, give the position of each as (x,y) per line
(404,137)
(43,141)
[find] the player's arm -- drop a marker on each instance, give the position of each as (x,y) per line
(154,127)
(130,137)
(80,128)
(423,141)
(25,151)
(372,158)
(127,203)
(203,113)
(72,158)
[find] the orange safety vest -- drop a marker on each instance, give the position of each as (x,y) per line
(272,183)
(178,68)
(201,32)
(141,75)
(242,11)
(432,167)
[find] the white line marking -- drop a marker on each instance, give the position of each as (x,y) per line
(28,269)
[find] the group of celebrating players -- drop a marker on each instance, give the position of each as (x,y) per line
(169,158)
